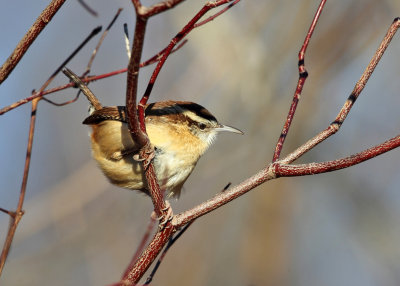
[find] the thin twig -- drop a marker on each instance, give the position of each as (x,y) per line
(19,212)
(158,56)
(272,170)
(94,32)
(62,103)
(189,27)
(155,9)
(30,36)
(89,66)
(211,18)
(303,74)
(88,8)
(84,88)
(87,79)
(7,212)
(127,43)
(285,170)
(338,121)
(277,169)
(66,61)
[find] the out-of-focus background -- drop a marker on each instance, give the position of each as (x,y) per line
(340,228)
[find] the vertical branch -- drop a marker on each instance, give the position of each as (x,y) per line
(138,131)
(30,36)
(300,84)
(132,81)
(134,274)
(17,215)
(186,30)
(189,27)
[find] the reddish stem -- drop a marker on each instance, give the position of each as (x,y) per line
(30,36)
(277,169)
(162,237)
(300,84)
(209,19)
(17,215)
(189,27)
(150,61)
(329,166)
(358,88)
(155,9)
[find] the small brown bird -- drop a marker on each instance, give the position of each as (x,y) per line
(179,131)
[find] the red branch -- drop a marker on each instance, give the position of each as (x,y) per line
(87,79)
(155,9)
(329,166)
(163,235)
(209,19)
(300,84)
(189,27)
(338,121)
(277,169)
(41,22)
(17,215)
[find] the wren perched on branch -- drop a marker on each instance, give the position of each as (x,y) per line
(179,131)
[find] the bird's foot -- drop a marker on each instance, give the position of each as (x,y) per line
(167,215)
(145,155)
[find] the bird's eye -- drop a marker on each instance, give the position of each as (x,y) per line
(202,126)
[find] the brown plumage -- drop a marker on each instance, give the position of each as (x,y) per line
(180,132)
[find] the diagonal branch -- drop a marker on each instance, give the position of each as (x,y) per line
(278,169)
(358,88)
(186,30)
(86,79)
(283,170)
(300,84)
(84,88)
(30,36)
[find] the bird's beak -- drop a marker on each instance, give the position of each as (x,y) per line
(227,128)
